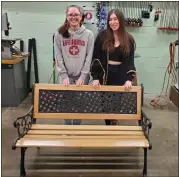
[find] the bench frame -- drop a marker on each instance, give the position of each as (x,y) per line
(24,123)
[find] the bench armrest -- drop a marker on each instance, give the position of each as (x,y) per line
(146,120)
(24,123)
(146,126)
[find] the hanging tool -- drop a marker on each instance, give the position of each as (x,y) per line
(171,70)
(138,9)
(115,5)
(138,14)
(133,19)
(127,10)
(142,5)
(130,5)
(162,14)
(132,10)
(169,19)
(132,14)
(165,19)
(143,9)
(170,26)
(124,7)
(150,7)
(129,15)
(138,20)
(156,17)
(145,13)
(120,6)
(175,16)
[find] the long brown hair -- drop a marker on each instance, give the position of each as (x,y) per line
(64,28)
(124,37)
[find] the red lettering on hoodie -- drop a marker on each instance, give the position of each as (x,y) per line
(73,42)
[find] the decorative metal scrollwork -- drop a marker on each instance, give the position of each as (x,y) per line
(24,123)
(146,126)
(63,101)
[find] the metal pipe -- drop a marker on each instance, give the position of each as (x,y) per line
(164,21)
(162,14)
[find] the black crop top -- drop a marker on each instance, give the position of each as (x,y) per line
(116,55)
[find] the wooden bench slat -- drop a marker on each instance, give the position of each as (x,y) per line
(86,116)
(96,143)
(78,132)
(106,88)
(84,127)
(48,137)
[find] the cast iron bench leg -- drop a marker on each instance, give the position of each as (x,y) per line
(22,166)
(145,163)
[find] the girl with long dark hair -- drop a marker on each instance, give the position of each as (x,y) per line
(113,56)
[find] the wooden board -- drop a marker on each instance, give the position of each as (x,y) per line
(50,137)
(15,58)
(83,132)
(85,87)
(85,116)
(84,127)
(95,143)
(13,61)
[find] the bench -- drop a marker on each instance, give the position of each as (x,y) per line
(55,101)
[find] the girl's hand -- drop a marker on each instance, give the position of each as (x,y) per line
(96,83)
(66,81)
(79,82)
(128,85)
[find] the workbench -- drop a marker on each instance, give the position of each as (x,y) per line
(14,81)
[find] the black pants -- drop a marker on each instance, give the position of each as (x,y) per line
(117,77)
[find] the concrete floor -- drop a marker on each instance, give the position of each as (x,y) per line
(162,159)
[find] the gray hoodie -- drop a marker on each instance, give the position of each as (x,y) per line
(73,55)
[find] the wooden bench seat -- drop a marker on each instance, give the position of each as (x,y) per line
(83,136)
(53,101)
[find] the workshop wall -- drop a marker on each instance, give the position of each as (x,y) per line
(40,20)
